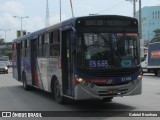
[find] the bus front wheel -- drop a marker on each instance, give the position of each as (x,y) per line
(109,99)
(57,93)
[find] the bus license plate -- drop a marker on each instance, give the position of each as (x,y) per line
(113,91)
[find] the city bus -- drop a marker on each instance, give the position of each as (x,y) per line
(83,58)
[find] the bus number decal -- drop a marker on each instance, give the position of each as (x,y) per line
(124,79)
(99,63)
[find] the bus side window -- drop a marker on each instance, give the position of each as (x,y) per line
(46,45)
(55,44)
(23,49)
(27,48)
(40,50)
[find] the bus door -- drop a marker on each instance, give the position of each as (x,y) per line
(67,67)
(33,62)
(18,46)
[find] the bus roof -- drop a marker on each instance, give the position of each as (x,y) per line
(70,21)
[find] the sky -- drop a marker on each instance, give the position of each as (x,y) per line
(36,11)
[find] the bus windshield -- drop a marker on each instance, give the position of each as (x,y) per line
(107,50)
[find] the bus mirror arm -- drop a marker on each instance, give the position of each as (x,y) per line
(74,30)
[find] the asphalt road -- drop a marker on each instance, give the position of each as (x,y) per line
(14,98)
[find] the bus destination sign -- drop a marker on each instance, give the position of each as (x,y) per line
(107,23)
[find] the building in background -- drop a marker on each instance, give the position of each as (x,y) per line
(6,47)
(150,22)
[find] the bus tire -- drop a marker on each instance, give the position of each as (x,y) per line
(25,86)
(109,99)
(57,93)
(158,73)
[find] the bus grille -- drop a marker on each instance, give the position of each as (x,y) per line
(124,83)
(112,72)
(107,93)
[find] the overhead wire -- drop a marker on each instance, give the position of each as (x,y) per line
(108,9)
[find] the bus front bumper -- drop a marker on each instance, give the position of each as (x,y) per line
(91,91)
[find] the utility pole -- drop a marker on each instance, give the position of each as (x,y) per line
(71,8)
(60,9)
(47,14)
(140,15)
(140,20)
(21,18)
(134,7)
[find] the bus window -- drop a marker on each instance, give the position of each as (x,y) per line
(46,45)
(23,44)
(23,54)
(40,49)
(55,44)
(22,49)
(28,43)
(28,48)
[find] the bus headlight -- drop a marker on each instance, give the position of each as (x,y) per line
(6,68)
(79,79)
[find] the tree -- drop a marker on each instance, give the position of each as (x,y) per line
(1,41)
(156,37)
